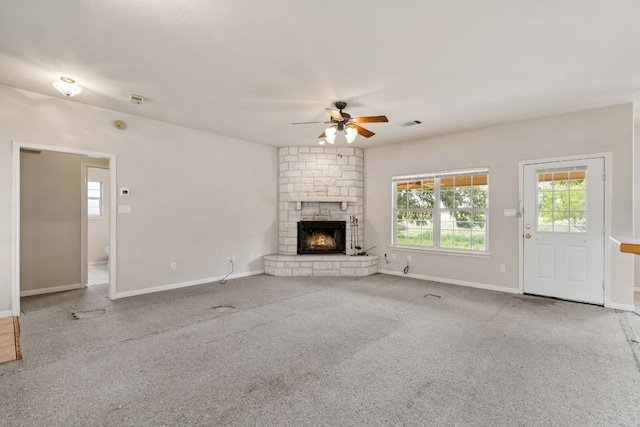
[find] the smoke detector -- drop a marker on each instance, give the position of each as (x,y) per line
(136,99)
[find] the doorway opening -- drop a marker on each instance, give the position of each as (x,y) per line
(95,223)
(49,247)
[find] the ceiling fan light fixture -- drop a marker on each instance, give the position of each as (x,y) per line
(67,86)
(330,134)
(351,134)
(343,127)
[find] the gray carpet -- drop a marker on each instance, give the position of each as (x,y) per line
(269,351)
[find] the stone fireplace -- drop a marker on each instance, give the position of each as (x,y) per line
(322,184)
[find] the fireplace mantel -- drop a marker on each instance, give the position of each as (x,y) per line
(321,199)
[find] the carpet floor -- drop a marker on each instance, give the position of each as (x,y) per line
(273,351)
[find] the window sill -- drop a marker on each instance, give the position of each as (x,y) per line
(443,251)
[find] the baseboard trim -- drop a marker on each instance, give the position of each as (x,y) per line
(6,313)
(51,290)
(184,284)
(453,282)
(623,307)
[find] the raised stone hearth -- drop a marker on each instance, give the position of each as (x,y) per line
(320,265)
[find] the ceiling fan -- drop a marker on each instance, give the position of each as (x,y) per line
(341,121)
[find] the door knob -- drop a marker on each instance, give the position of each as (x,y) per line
(528,236)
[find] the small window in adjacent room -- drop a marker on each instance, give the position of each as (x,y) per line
(94,199)
(446,211)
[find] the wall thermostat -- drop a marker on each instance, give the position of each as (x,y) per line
(124,192)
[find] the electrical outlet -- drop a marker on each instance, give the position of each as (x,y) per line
(503,268)
(408,258)
(174,265)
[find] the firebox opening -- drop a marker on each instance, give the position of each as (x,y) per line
(321,237)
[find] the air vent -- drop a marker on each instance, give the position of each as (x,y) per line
(412,123)
(136,99)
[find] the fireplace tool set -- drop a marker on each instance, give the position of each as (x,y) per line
(354,236)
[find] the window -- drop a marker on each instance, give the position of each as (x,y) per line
(94,199)
(445,210)
(562,206)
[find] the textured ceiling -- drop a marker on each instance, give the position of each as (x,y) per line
(248,69)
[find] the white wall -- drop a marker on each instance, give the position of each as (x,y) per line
(636,196)
(501,148)
(197,197)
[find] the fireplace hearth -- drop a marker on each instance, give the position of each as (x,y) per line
(322,237)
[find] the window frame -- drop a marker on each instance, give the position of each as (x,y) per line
(437,210)
(100,201)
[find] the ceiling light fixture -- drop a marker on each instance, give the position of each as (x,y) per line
(67,86)
(331,133)
(351,134)
(342,123)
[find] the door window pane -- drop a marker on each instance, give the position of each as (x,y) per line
(562,201)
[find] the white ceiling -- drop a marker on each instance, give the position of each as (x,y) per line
(248,69)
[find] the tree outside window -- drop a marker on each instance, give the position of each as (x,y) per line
(562,205)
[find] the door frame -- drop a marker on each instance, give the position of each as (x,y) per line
(15,202)
(607,216)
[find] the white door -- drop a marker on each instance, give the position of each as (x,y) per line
(564,229)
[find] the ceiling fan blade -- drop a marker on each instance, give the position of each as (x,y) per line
(370,119)
(307,123)
(335,114)
(322,136)
(362,131)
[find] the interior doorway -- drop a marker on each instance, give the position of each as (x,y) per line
(46,256)
(563,229)
(95,223)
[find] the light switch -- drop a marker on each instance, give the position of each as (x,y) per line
(124,208)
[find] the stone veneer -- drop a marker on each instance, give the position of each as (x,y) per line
(316,173)
(320,184)
(320,265)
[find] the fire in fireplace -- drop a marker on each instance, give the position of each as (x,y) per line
(322,237)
